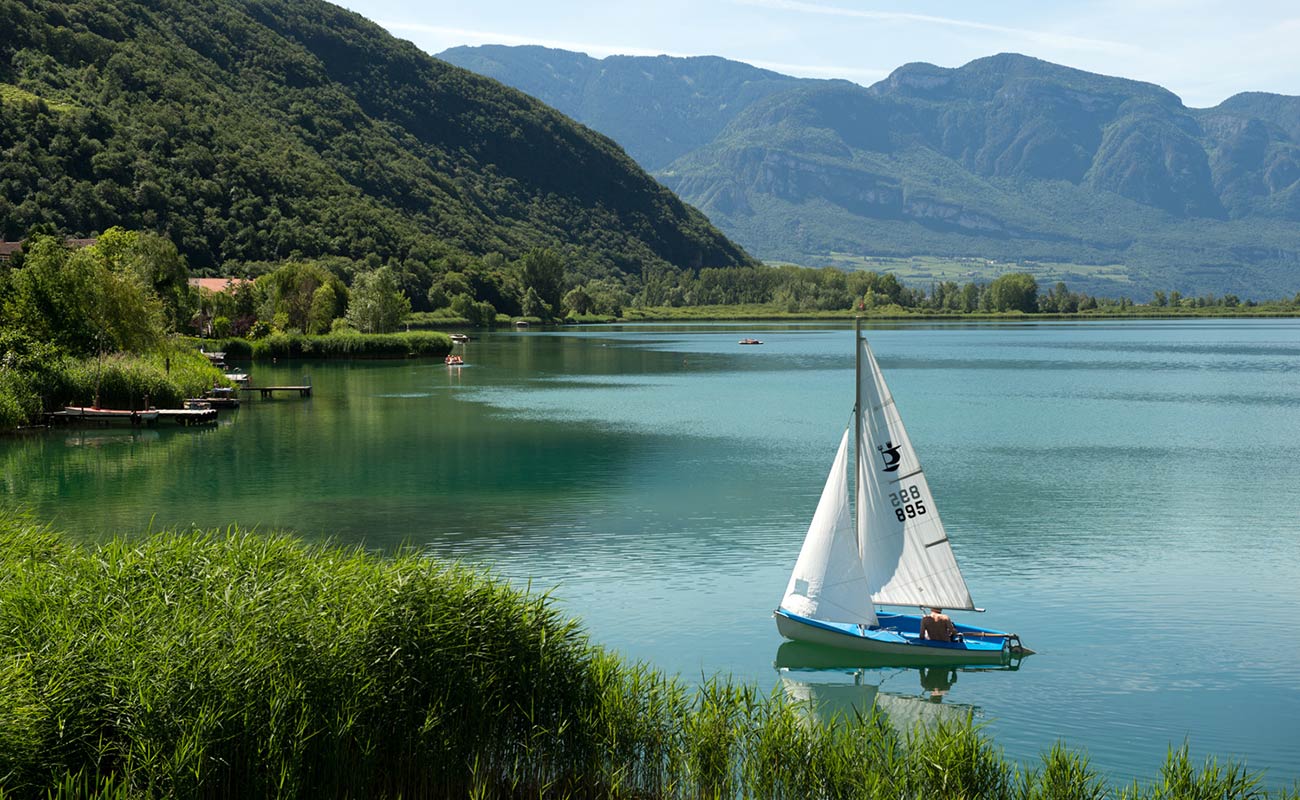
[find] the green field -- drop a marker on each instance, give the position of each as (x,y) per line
(917,270)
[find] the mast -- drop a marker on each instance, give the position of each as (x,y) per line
(857,413)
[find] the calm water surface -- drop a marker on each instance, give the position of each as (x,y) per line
(1124,495)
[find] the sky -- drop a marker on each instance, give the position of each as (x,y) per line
(1202,50)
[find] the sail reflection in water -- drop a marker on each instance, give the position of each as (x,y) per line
(829,684)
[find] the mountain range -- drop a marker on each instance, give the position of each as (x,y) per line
(259,130)
(1008,162)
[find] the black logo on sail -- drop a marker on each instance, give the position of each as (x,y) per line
(889,452)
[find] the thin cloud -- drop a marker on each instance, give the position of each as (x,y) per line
(465,36)
(1040,37)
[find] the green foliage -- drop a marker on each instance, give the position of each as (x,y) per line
(1015,291)
(542,274)
(339,344)
(82,301)
(305,295)
(37,378)
(233,663)
(295,130)
(377,305)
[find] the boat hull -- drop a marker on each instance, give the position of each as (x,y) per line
(895,639)
(109,416)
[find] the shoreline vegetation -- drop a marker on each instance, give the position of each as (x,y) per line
(234,663)
(410,344)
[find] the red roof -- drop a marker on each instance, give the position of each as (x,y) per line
(7,249)
(218,284)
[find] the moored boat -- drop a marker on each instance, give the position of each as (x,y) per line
(111,416)
(750,341)
(221,397)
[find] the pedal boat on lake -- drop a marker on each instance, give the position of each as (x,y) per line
(454,361)
(750,341)
(897,554)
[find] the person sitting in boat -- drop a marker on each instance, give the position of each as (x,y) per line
(937,626)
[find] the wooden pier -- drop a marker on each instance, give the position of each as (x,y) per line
(188,416)
(303,390)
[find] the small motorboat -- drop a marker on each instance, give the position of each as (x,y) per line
(238,376)
(221,397)
(459,338)
(751,341)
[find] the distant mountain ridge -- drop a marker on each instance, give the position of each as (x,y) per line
(1007,157)
(252,130)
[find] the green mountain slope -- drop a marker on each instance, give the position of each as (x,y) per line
(1007,158)
(259,129)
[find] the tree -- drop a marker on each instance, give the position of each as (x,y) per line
(578,301)
(377,304)
(533,305)
(543,271)
(77,302)
(1015,291)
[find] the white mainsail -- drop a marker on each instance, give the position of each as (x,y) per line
(906,555)
(828,582)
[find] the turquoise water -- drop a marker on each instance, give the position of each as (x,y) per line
(1123,495)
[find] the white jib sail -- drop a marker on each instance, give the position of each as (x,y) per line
(828,582)
(905,550)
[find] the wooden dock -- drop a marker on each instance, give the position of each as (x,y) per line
(188,416)
(303,390)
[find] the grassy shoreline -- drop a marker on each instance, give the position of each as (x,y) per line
(760,313)
(237,664)
(407,344)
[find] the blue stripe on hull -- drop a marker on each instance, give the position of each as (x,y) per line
(897,635)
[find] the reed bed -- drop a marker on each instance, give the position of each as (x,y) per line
(120,380)
(409,344)
(232,663)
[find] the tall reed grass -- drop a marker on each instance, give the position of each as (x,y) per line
(409,344)
(231,663)
(163,378)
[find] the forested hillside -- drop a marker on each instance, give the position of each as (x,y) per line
(1110,184)
(261,130)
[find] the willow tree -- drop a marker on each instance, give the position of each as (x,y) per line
(377,303)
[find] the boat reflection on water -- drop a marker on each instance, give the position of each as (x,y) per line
(833,683)
(109,437)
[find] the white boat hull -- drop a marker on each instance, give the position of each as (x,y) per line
(997,649)
(111,416)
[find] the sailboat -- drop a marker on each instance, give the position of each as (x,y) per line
(897,554)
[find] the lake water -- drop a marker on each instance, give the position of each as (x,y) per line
(1125,495)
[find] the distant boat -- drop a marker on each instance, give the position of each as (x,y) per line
(521,323)
(238,376)
(111,416)
(750,341)
(898,554)
(459,338)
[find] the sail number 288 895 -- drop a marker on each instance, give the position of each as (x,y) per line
(907,503)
